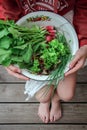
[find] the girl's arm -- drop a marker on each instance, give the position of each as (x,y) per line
(9,10)
(80,23)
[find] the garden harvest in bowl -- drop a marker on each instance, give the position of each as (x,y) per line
(40,43)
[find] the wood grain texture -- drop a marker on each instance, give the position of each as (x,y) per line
(43,127)
(27,113)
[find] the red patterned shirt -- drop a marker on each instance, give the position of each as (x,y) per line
(57,6)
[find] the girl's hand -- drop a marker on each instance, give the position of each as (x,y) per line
(78,61)
(15,71)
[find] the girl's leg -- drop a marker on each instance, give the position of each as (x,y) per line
(55,112)
(66,87)
(65,92)
(44,97)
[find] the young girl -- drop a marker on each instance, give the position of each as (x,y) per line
(15,9)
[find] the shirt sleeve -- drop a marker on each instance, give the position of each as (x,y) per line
(9,10)
(80,21)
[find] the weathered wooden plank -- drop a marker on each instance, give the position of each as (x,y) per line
(5,77)
(15,93)
(82,75)
(12,93)
(27,113)
(43,127)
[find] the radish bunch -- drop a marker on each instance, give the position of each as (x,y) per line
(51,33)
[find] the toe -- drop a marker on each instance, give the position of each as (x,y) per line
(44,119)
(51,118)
(47,119)
(55,118)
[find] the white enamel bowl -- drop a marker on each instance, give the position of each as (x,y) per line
(55,20)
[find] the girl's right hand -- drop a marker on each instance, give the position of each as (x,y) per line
(16,72)
(78,61)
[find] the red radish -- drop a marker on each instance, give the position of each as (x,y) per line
(48,38)
(52,31)
(52,34)
(49,27)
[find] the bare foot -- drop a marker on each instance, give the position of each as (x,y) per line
(55,112)
(44,112)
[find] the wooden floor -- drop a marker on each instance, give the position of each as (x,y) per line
(17,114)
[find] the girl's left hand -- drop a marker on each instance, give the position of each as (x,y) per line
(78,61)
(16,72)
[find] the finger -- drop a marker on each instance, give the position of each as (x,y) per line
(74,61)
(18,75)
(78,66)
(14,68)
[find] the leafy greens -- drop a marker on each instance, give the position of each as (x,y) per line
(29,49)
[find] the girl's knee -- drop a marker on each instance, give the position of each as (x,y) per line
(66,96)
(67,93)
(66,88)
(44,94)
